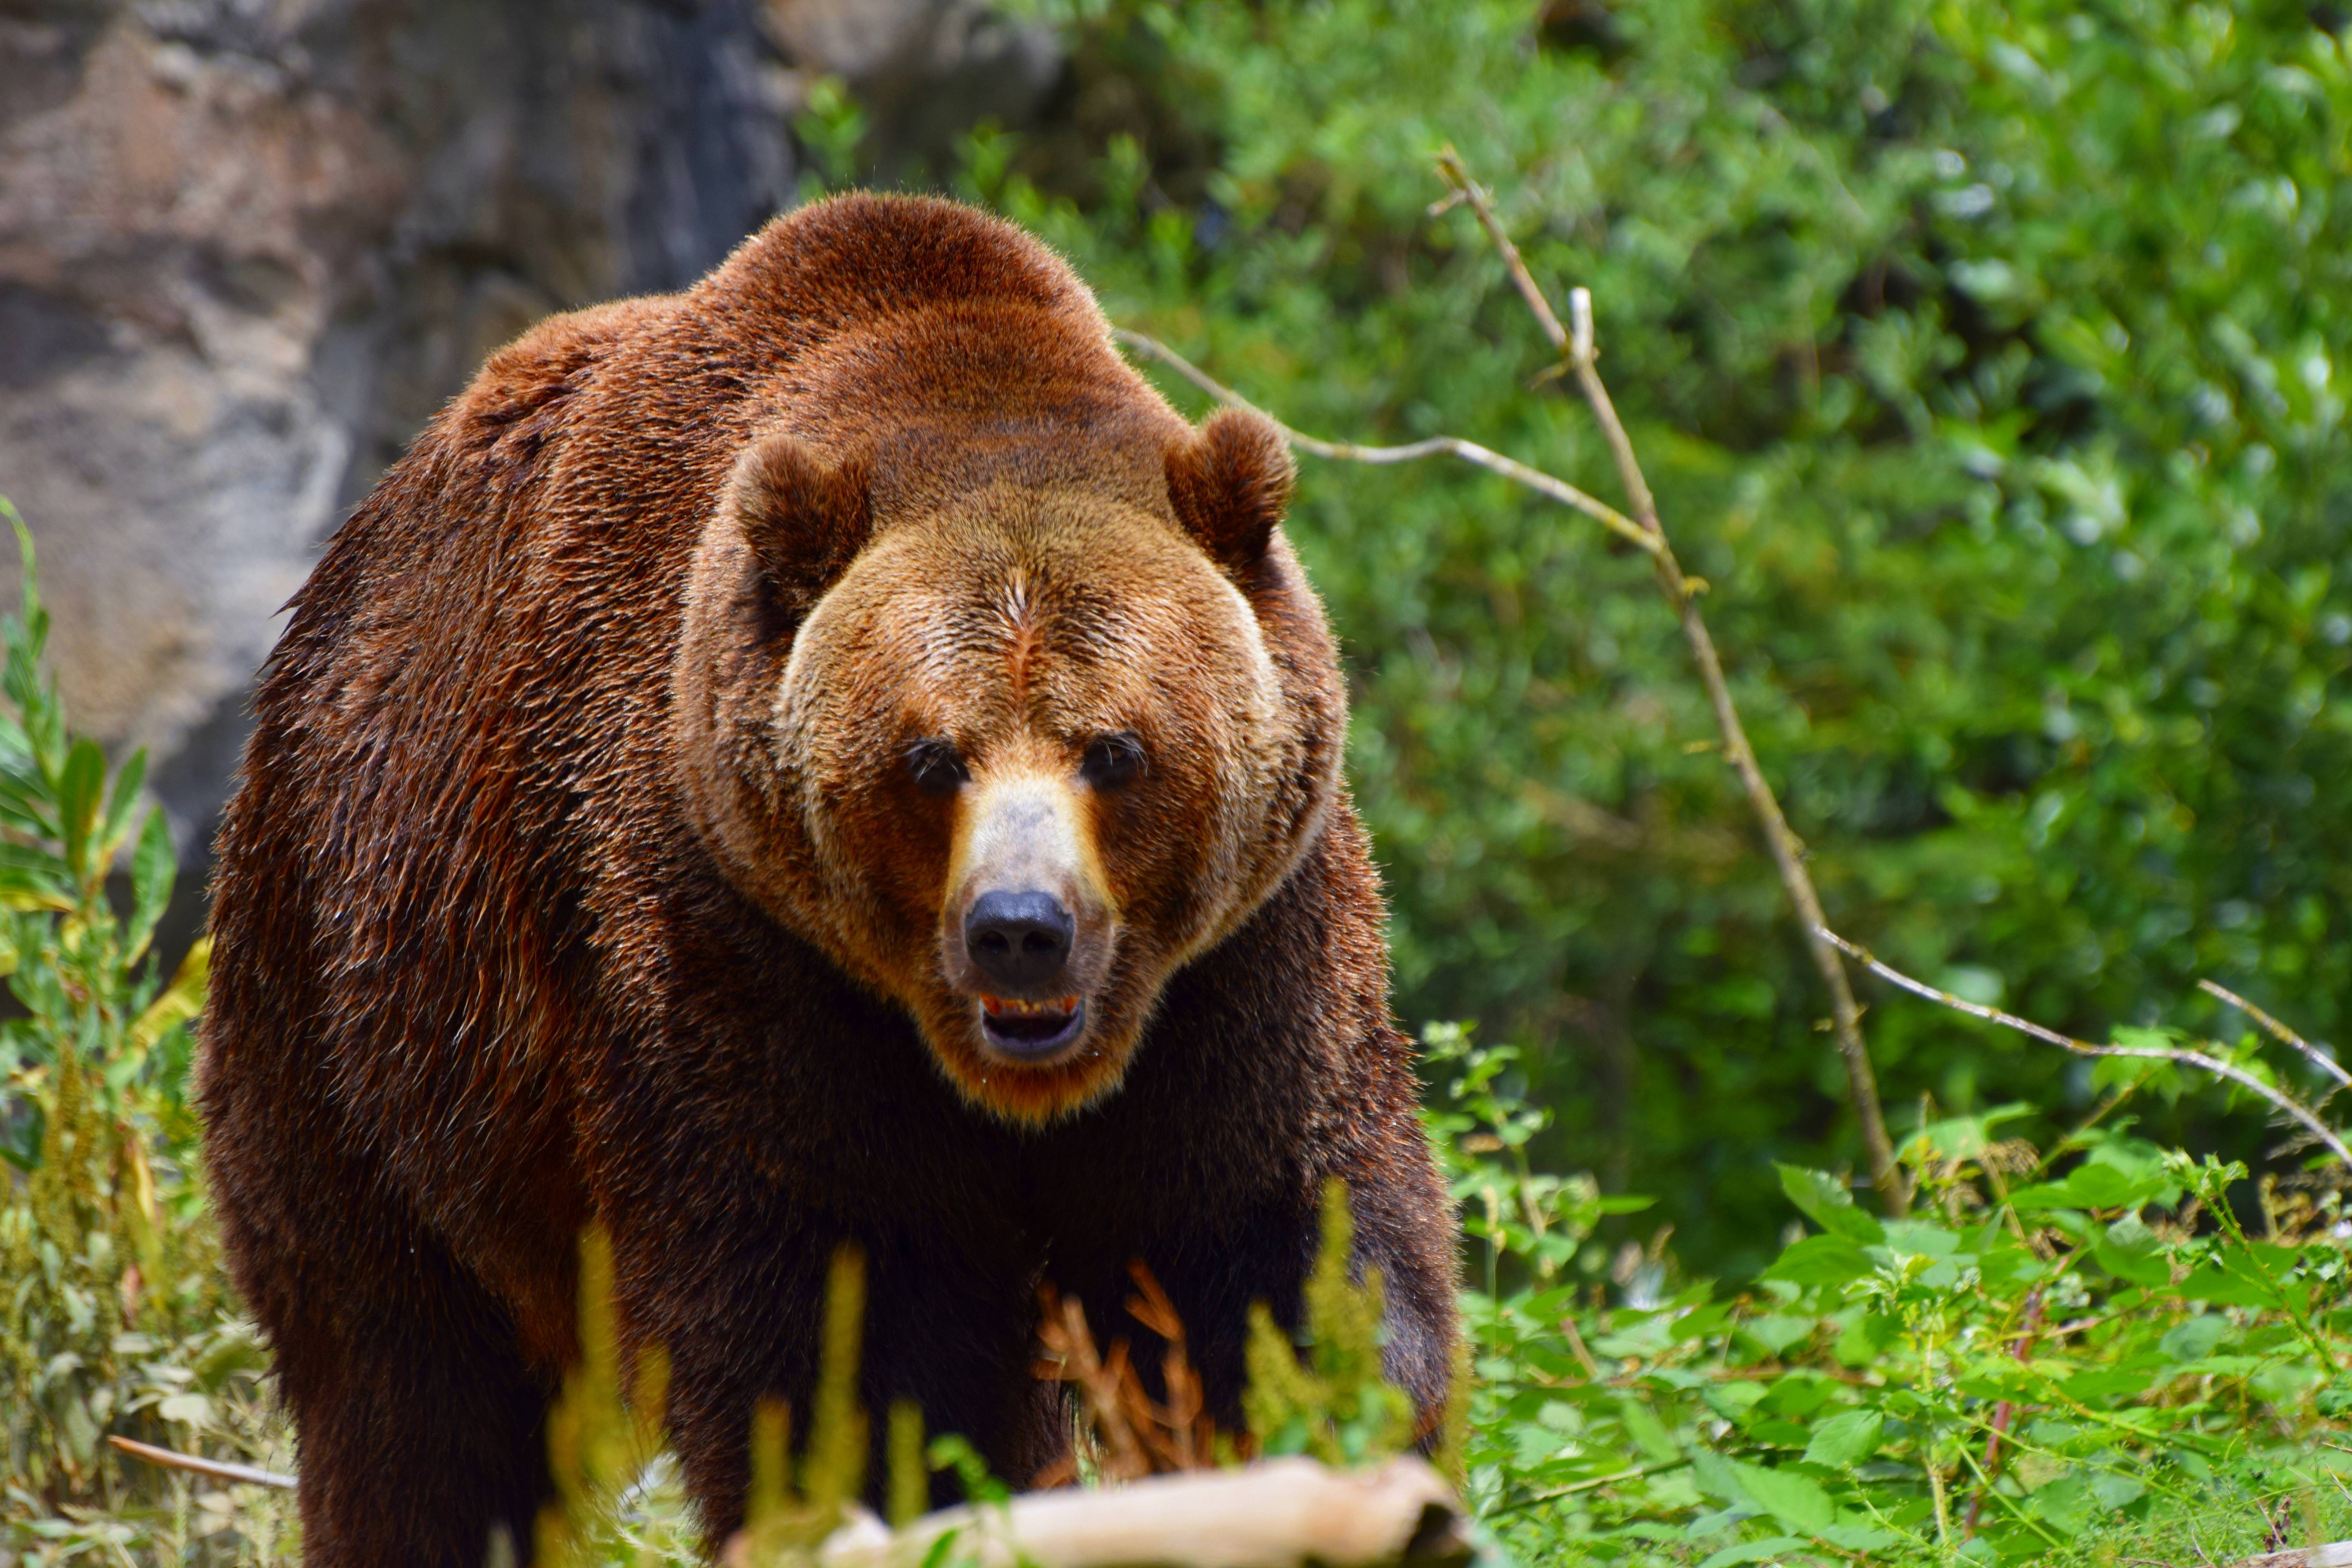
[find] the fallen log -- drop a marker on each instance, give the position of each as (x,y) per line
(1282,1513)
(2334,1554)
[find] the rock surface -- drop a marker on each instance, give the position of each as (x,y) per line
(248,246)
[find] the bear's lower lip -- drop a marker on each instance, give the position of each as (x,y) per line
(1029,1032)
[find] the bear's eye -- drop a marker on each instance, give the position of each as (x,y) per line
(937,767)
(1111,760)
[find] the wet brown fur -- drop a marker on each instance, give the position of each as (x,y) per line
(549,894)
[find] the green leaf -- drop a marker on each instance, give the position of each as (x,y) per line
(1859,1537)
(125,796)
(80,789)
(2094,1184)
(1846,1438)
(2224,1287)
(153,869)
(1716,1476)
(1827,1201)
(1797,1501)
(2194,1339)
(1820,1260)
(1921,1238)
(1657,1445)
(2131,1251)
(1753,1552)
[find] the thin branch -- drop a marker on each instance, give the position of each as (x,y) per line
(1457,174)
(2281,1033)
(1592,1484)
(2213,1065)
(1535,480)
(219,1470)
(1575,344)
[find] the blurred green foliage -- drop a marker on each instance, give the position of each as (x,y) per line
(1983,359)
(113,1311)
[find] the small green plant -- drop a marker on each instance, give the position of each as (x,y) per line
(1335,1404)
(603,1436)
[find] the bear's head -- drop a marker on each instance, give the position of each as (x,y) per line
(1009,753)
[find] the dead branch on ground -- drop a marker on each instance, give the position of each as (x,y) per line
(197,1465)
(1282,1513)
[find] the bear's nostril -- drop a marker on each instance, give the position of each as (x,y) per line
(1019,940)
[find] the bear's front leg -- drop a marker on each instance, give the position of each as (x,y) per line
(421,1431)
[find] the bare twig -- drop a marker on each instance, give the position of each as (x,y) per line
(2281,1034)
(1575,344)
(1535,480)
(1591,1484)
(219,1470)
(2174,1054)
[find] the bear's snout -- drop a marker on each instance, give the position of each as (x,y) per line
(1019,941)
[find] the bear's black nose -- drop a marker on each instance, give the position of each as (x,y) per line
(1018,940)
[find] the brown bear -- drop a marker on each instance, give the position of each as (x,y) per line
(830,756)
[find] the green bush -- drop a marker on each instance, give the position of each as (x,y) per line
(1983,359)
(114,1319)
(2077,1355)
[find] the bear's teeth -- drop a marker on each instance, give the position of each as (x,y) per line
(997,1006)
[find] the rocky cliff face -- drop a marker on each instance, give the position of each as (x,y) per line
(247,247)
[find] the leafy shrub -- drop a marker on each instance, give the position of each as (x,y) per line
(114,1318)
(1987,360)
(2039,1364)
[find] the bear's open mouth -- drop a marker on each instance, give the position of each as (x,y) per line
(1031,1030)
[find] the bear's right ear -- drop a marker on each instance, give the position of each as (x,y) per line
(801,519)
(1229,483)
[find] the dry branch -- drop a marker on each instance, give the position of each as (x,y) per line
(1285,1513)
(2281,1034)
(219,1470)
(2177,1055)
(1535,480)
(1645,531)
(1575,346)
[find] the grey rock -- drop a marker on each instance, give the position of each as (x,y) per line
(247,247)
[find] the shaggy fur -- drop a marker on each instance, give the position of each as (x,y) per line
(578,871)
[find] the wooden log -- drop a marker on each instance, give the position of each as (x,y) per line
(2334,1554)
(1282,1513)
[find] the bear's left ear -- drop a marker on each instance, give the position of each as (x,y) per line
(803,519)
(1229,483)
